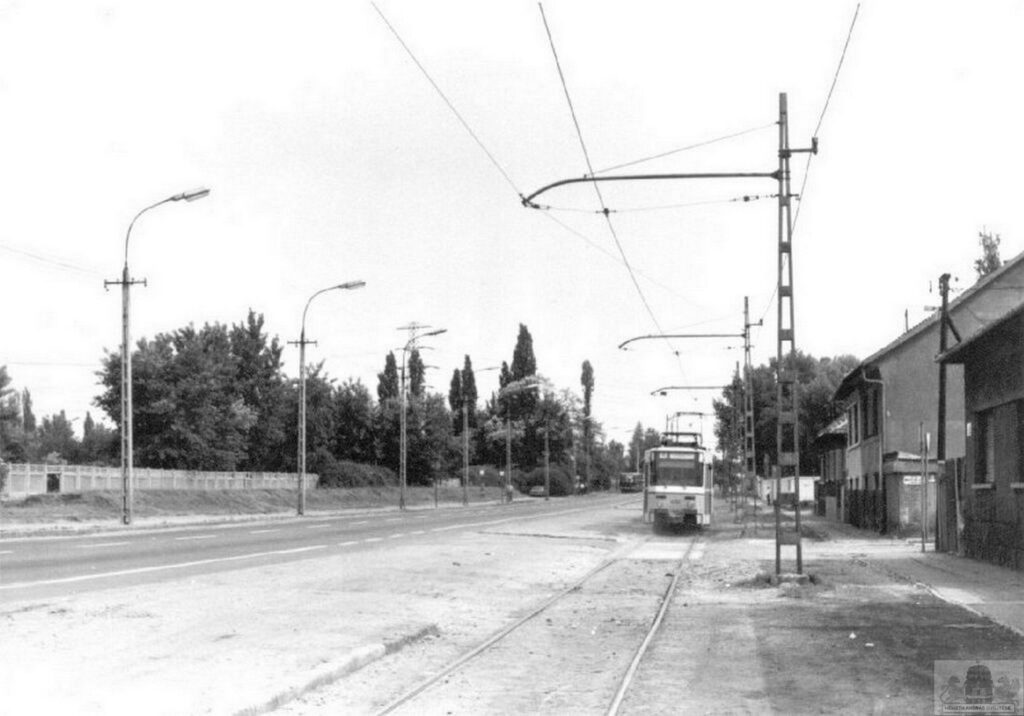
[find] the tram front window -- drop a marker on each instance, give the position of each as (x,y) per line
(678,472)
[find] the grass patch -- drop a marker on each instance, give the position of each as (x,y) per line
(100,505)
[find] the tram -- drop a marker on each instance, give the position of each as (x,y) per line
(678,486)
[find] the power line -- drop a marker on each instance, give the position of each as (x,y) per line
(746,198)
(448,102)
(597,188)
(684,149)
(46,260)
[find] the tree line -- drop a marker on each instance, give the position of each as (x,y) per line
(217,398)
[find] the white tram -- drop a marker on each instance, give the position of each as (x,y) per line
(678,484)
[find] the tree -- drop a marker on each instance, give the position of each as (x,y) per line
(455,400)
(57,439)
(416,373)
(817,380)
(11,437)
(636,448)
(100,444)
(524,364)
(261,386)
(353,423)
(989,260)
(587,381)
(28,419)
(387,380)
(469,393)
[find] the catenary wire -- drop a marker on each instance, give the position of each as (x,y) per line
(448,102)
(46,260)
(597,189)
(684,149)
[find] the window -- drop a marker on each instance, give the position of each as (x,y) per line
(997,446)
(872,405)
(853,420)
(985,447)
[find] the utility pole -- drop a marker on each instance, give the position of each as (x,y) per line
(403,461)
(940,437)
(749,453)
(465,451)
(301,456)
(787,436)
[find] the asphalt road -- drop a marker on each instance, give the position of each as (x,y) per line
(34,567)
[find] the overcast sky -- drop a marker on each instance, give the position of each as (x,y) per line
(331,158)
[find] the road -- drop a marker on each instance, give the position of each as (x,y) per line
(53,566)
(529,608)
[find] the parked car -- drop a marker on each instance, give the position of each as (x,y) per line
(538,491)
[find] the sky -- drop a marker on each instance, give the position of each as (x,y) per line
(331,157)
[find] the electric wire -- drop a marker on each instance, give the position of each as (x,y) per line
(684,149)
(448,102)
(746,198)
(597,189)
(47,260)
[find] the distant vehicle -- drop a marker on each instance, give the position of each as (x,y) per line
(677,482)
(537,491)
(630,482)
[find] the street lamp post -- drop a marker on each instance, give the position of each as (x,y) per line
(402,446)
(127,448)
(511,389)
(349,285)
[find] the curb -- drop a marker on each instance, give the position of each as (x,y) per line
(355,660)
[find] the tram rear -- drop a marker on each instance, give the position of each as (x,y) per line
(678,482)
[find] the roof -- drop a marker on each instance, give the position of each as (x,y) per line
(836,427)
(957,353)
(851,379)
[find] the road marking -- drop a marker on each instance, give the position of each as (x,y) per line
(262,532)
(159,568)
(196,537)
(374,539)
(98,544)
(316,527)
(418,532)
(7,551)
(697,553)
(393,519)
(449,527)
(349,543)
(397,535)
(362,522)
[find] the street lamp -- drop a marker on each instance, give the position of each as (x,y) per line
(402,420)
(126,356)
(349,285)
(465,440)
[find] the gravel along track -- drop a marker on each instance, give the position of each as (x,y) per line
(571,654)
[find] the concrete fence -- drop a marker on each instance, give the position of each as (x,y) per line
(25,479)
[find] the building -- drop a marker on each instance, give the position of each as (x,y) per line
(892,397)
(830,444)
(989,499)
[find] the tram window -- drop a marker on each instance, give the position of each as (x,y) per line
(681,471)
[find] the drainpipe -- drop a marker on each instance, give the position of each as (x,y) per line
(881,439)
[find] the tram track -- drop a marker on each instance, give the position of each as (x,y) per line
(464,662)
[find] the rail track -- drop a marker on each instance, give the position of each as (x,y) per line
(625,678)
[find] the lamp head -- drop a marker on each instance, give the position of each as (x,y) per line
(349,285)
(191,194)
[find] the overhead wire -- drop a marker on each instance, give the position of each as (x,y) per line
(597,188)
(745,198)
(688,147)
(47,260)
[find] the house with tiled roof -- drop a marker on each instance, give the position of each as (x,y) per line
(891,398)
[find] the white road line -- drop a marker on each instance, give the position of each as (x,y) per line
(159,568)
(349,543)
(196,537)
(418,532)
(393,519)
(262,532)
(397,535)
(316,527)
(362,522)
(98,544)
(7,551)
(374,539)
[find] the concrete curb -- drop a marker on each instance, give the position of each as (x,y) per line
(353,661)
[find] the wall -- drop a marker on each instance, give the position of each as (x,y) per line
(24,479)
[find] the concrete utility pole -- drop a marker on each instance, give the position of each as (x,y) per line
(749,452)
(302,343)
(126,282)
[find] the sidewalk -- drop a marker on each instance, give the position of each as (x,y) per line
(983,588)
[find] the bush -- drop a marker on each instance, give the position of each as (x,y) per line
(344,473)
(561,480)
